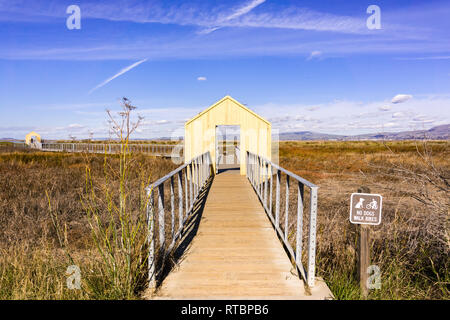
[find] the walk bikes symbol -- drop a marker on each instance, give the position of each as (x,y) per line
(372,205)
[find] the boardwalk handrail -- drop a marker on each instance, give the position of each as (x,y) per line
(260,172)
(196,173)
(110,148)
(220,153)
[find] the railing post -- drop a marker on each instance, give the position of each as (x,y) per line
(161,222)
(253,171)
(246,165)
(277,199)
(200,175)
(205,174)
(172,208)
(205,166)
(270,192)
(312,237)
(266,176)
(151,239)
(201,171)
(286,215)
(259,175)
(180,200)
(199,166)
(194,184)
(261,178)
(191,185)
(299,235)
(186,186)
(195,178)
(249,167)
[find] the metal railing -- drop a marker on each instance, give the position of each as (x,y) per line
(260,173)
(192,179)
(237,154)
(20,145)
(224,151)
(110,148)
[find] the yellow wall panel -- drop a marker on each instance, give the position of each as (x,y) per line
(200,132)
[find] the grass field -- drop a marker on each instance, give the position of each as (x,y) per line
(411,245)
(41,191)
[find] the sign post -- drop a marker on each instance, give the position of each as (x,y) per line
(365,209)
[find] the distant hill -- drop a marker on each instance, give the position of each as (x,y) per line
(436,133)
(10,140)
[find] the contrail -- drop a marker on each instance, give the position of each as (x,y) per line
(245,9)
(236,14)
(121,72)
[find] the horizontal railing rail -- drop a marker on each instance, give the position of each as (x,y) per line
(260,173)
(192,178)
(111,148)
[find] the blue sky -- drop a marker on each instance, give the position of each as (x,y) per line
(303,65)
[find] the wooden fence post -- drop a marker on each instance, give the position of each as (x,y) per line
(363,251)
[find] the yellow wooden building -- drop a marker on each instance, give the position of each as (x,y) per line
(201,134)
(32,138)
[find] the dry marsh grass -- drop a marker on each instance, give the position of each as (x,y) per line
(411,246)
(33,261)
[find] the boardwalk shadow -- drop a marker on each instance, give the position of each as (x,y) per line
(190,230)
(231,168)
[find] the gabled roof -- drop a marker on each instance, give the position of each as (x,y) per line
(32,133)
(222,100)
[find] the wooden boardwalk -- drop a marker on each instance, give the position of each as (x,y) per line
(235,253)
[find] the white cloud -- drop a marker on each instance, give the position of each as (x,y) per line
(271,22)
(385,108)
(400,98)
(338,117)
(355,117)
(422,121)
(201,78)
(390,124)
(314,54)
(121,72)
(427,58)
(194,14)
(75,126)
